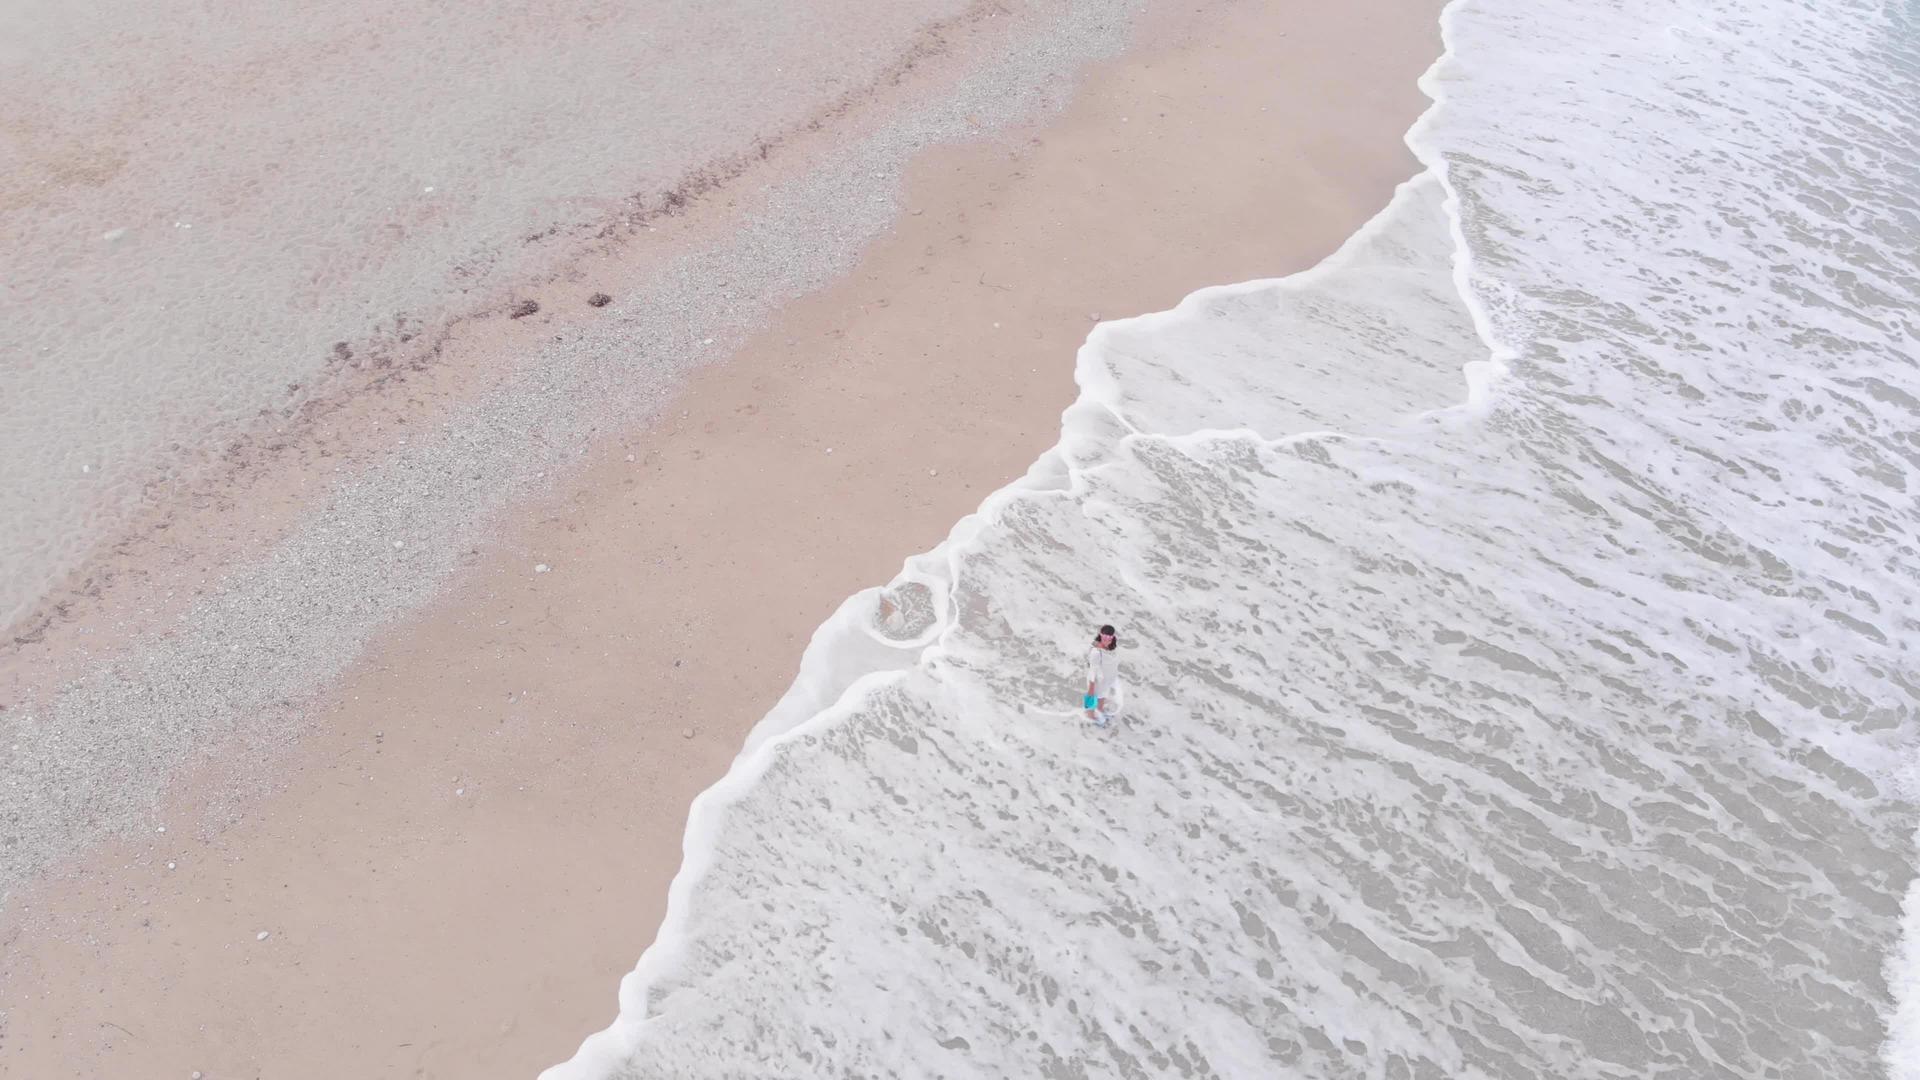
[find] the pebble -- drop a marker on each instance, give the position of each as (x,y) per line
(196,1074)
(541,568)
(261,936)
(459,791)
(169,866)
(113,234)
(686,733)
(933,472)
(398,544)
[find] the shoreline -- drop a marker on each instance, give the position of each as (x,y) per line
(406,835)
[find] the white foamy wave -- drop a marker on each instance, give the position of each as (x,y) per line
(1903,983)
(1558,734)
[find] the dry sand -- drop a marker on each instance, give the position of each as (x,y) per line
(455,871)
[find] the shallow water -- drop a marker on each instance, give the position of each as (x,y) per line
(1564,732)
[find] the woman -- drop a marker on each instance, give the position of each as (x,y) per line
(1103,677)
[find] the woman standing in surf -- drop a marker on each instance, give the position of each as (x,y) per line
(1103,677)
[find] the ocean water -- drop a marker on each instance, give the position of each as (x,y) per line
(1522,628)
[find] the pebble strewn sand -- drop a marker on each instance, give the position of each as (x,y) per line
(91,759)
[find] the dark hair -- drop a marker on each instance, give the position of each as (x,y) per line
(1107,631)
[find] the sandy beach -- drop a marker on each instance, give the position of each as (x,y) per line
(470,838)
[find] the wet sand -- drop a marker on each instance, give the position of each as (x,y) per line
(455,868)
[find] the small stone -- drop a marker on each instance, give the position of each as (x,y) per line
(113,234)
(459,791)
(261,936)
(162,828)
(398,544)
(599,299)
(542,568)
(829,449)
(709,341)
(629,457)
(933,472)
(524,308)
(196,1074)
(686,733)
(169,866)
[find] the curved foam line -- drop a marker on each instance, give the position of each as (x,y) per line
(1481,374)
(816,699)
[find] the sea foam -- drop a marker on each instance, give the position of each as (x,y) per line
(1558,731)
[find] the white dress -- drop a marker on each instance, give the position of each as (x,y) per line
(1103,671)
